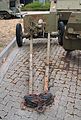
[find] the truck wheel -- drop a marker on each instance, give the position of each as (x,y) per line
(61,33)
(19,35)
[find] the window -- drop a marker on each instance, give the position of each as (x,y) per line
(12,3)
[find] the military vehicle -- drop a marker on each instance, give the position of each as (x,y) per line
(9,8)
(63,20)
(69,24)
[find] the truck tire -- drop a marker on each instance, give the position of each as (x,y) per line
(19,35)
(61,29)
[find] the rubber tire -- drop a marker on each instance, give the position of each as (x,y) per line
(61,28)
(19,35)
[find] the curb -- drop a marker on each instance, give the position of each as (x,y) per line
(6,57)
(5,53)
(8,62)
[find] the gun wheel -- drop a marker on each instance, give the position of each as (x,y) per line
(61,33)
(19,35)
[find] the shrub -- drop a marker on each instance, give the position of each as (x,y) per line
(36,6)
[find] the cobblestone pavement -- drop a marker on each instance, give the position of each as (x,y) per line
(64,84)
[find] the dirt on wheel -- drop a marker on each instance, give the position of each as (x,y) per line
(7,31)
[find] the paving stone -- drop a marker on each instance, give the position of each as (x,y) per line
(1,100)
(78,91)
(2,89)
(42,117)
(52,111)
(17,85)
(16,117)
(78,96)
(77,118)
(1,106)
(69,117)
(8,106)
(51,118)
(34,115)
(23,113)
(16,100)
(4,94)
(3,114)
(10,87)
(78,104)
(53,90)
(70,99)
(65,92)
(61,112)
(77,112)
(72,95)
(14,93)
(73,89)
(7,98)
(14,76)
(64,77)
(10,115)
(70,108)
(63,102)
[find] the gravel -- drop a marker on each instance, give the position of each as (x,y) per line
(7,31)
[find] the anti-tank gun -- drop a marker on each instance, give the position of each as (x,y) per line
(63,20)
(38,24)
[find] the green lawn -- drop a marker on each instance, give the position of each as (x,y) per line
(36,6)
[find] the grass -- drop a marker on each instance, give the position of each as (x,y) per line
(36,6)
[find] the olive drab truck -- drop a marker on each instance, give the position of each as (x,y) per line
(9,8)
